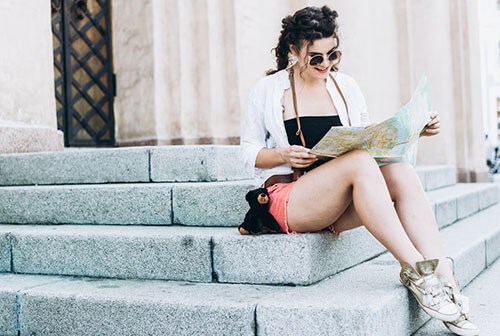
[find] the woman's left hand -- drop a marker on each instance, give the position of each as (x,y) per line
(432,127)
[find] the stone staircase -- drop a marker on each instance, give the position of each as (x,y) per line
(143,241)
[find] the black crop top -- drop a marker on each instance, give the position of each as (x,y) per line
(313,128)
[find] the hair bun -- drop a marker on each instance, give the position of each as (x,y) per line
(329,12)
(287,22)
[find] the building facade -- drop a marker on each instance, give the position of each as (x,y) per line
(184,68)
(490,61)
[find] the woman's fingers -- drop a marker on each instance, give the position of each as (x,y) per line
(433,126)
(432,131)
(433,121)
(299,157)
(302,152)
(302,162)
(298,148)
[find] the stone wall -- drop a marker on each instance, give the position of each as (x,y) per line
(27,102)
(185,68)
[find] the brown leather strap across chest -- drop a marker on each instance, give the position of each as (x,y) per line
(297,172)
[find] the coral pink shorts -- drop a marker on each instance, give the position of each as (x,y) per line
(278,202)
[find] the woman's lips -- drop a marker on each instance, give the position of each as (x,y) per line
(324,71)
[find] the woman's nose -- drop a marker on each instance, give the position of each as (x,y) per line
(326,62)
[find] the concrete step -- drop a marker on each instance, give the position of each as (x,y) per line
(196,204)
(180,253)
(112,307)
(368,299)
(436,177)
(484,305)
(461,200)
(202,254)
(197,163)
(364,300)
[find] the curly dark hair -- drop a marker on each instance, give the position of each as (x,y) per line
(305,26)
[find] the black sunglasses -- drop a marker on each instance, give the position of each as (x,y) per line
(334,56)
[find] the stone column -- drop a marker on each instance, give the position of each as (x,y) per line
(177,80)
(27,99)
(426,49)
(469,140)
(133,58)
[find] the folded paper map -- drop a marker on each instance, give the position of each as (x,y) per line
(393,140)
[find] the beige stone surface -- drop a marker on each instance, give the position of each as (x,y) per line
(471,160)
(186,85)
(133,58)
(185,68)
(27,101)
(26,73)
(430,53)
(21,138)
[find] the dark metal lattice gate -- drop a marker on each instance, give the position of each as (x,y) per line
(84,79)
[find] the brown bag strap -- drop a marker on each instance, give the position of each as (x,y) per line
(297,172)
(343,98)
(294,98)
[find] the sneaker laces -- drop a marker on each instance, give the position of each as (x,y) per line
(462,303)
(432,288)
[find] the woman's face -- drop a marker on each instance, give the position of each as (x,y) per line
(323,47)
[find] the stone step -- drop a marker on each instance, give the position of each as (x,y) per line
(436,177)
(484,305)
(364,300)
(180,253)
(368,299)
(196,163)
(202,254)
(461,200)
(195,204)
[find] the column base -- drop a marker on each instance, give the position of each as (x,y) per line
(477,175)
(179,141)
(26,138)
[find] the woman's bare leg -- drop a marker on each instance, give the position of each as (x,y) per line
(348,220)
(321,196)
(416,214)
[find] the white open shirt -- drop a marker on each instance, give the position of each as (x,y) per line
(263,125)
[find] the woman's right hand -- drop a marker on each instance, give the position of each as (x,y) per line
(297,156)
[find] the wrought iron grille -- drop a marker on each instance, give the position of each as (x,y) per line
(84,79)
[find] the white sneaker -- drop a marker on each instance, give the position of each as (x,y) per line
(462,326)
(429,290)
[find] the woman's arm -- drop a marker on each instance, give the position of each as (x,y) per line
(295,156)
(253,132)
(253,149)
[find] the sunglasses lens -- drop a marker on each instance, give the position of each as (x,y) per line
(315,60)
(334,56)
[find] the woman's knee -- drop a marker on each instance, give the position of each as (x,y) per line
(400,172)
(361,162)
(353,165)
(401,178)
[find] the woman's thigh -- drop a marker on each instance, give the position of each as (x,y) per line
(322,196)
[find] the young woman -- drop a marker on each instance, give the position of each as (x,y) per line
(288,112)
